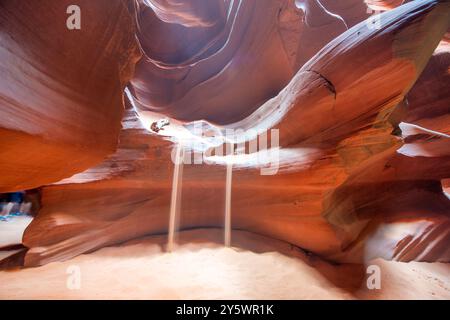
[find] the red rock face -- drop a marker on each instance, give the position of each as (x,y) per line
(60,90)
(222,59)
(361,109)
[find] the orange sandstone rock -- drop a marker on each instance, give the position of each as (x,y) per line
(61,90)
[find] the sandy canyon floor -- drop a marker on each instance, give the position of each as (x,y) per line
(255,267)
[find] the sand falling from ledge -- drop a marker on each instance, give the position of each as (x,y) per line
(228,205)
(175,201)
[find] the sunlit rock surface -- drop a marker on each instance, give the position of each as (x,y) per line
(362,112)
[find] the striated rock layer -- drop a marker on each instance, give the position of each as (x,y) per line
(364,153)
(61,90)
(258,42)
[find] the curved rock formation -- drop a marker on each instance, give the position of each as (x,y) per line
(357,162)
(262,43)
(61,90)
(203,13)
(428,104)
(321,26)
(175,72)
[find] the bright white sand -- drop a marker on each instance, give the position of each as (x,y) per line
(11,231)
(204,269)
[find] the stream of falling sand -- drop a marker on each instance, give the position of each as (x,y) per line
(228,205)
(175,201)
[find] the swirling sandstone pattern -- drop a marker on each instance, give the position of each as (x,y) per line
(60,90)
(362,114)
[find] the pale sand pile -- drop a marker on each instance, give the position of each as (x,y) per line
(203,269)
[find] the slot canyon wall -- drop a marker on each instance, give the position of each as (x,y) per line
(361,104)
(60,91)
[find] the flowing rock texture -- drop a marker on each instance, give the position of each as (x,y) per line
(361,104)
(61,90)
